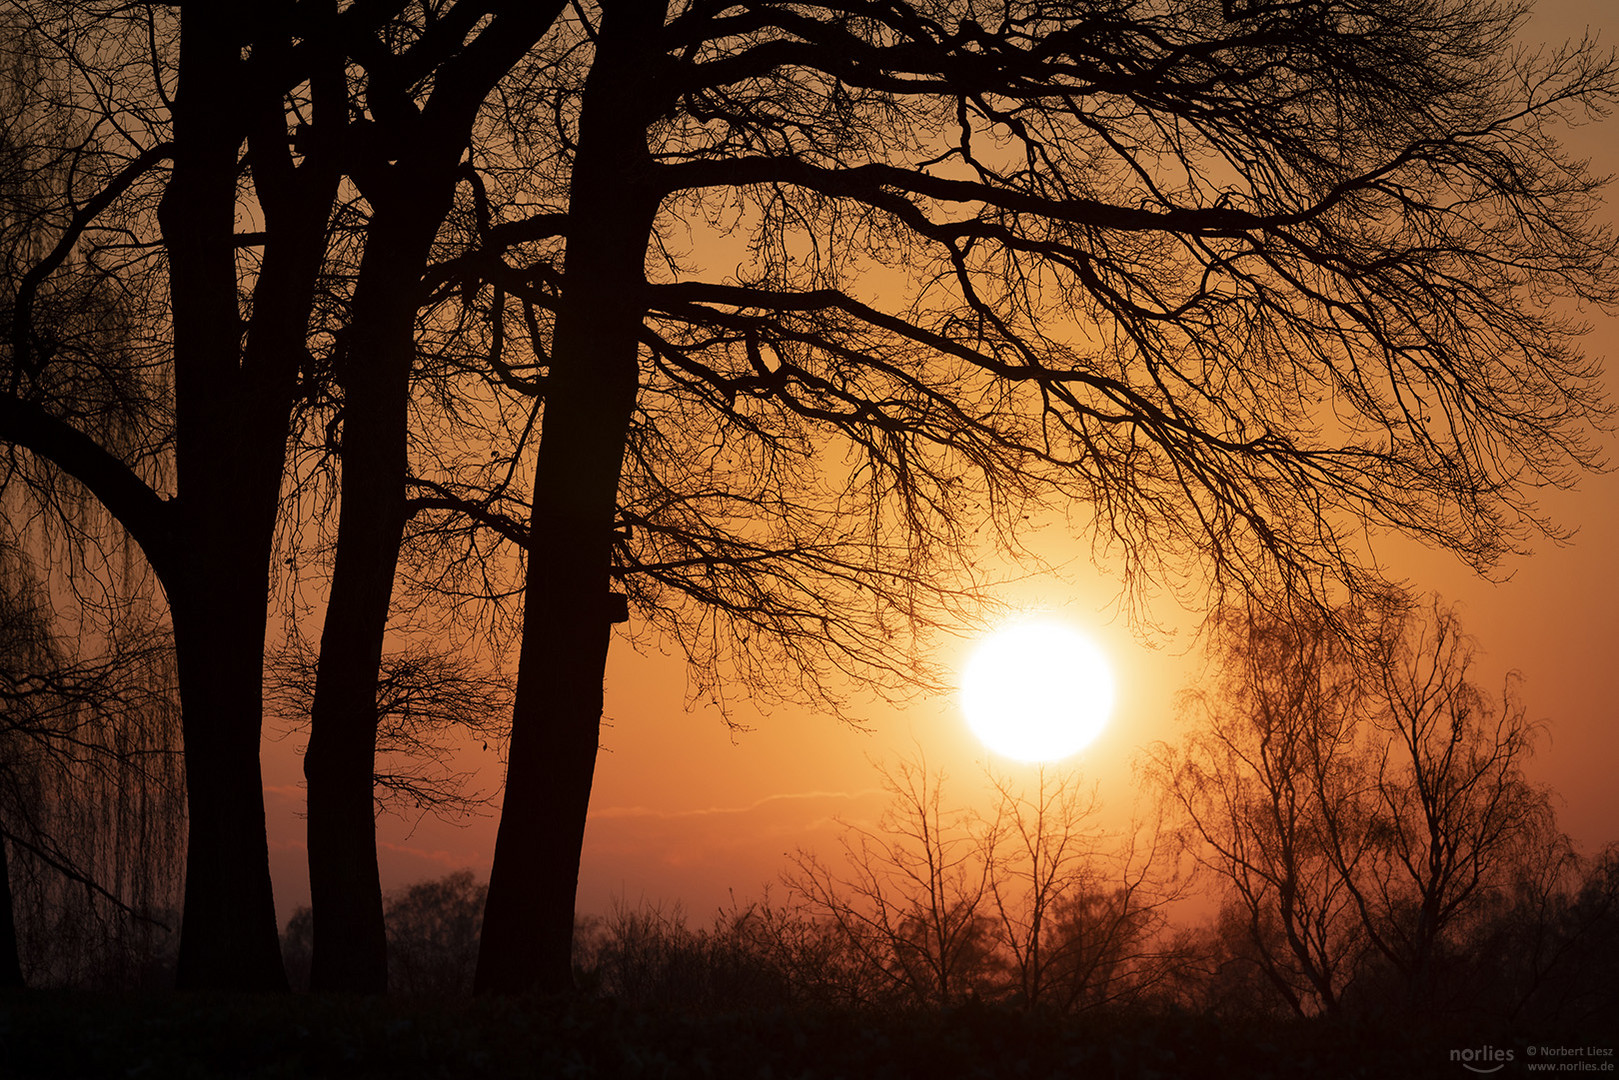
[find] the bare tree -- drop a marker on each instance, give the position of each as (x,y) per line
(425,75)
(1038,850)
(1455,815)
(156,107)
(1228,277)
(1553,943)
(1268,782)
(186,122)
(912,898)
(429,703)
(1361,797)
(92,817)
(1079,911)
(433,935)
(90,777)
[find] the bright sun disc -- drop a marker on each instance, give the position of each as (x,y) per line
(1037,691)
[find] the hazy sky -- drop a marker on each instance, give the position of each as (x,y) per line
(685,809)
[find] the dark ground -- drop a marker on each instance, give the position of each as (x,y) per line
(70,1034)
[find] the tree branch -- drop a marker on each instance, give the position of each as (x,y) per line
(148,517)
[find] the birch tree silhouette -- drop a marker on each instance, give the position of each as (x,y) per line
(1361,804)
(1271,782)
(1458,817)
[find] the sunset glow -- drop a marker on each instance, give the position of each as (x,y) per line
(1037,691)
(786,537)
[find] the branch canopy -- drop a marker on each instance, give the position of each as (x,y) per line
(1235,287)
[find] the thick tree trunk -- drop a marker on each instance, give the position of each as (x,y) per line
(589,400)
(231,410)
(350,947)
(228,938)
(228,504)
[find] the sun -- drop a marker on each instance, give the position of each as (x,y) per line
(1037,690)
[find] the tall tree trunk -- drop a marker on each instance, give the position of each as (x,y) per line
(589,400)
(231,410)
(410,200)
(228,936)
(350,947)
(228,500)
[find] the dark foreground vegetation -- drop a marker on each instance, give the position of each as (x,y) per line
(773,990)
(1349,873)
(58,1033)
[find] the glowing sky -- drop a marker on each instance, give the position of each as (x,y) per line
(683,808)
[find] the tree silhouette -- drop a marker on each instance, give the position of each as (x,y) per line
(1034,905)
(1457,817)
(1360,804)
(1264,783)
(428,703)
(172,110)
(195,477)
(913,902)
(1230,283)
(1240,281)
(424,81)
(1078,911)
(433,935)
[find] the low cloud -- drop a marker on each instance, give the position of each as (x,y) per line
(632,812)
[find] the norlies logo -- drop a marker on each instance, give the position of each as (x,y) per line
(1484,1059)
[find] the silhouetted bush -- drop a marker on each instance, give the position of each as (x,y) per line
(1540,959)
(433,935)
(649,956)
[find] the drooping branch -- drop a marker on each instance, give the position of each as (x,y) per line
(148,517)
(22,330)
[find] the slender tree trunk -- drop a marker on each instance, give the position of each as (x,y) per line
(10,961)
(350,947)
(589,400)
(410,200)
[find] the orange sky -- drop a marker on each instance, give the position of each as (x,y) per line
(683,809)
